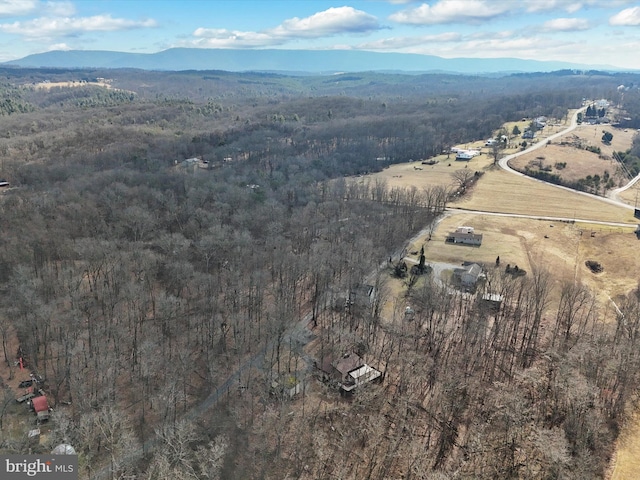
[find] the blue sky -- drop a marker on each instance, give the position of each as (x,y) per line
(596,32)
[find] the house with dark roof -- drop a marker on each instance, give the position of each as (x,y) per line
(349,371)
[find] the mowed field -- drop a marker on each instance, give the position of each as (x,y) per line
(504,192)
(631,196)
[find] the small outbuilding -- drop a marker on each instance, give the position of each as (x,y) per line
(41,408)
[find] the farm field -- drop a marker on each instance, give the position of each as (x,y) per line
(500,191)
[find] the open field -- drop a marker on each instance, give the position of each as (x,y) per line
(500,191)
(580,162)
(631,195)
(50,85)
(522,242)
(592,135)
(626,463)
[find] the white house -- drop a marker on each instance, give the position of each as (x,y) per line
(466,154)
(466,236)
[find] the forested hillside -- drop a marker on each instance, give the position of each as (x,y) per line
(161,298)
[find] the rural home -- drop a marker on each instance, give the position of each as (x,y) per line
(468,275)
(540,122)
(350,371)
(466,154)
(465,235)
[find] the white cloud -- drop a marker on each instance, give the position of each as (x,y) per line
(627,17)
(492,35)
(59,46)
(59,9)
(48,27)
(570,6)
(333,21)
(566,25)
(452,11)
(10,8)
(521,47)
(573,7)
(329,22)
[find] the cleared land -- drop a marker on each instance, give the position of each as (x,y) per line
(570,150)
(500,191)
(78,83)
(626,464)
(561,248)
(631,196)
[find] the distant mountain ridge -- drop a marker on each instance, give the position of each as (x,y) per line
(312,61)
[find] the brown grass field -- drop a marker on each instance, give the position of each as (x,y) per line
(503,192)
(522,242)
(78,83)
(580,162)
(631,196)
(500,191)
(626,464)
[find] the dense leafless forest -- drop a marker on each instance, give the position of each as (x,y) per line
(162,299)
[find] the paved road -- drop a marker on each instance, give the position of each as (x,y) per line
(504,164)
(541,217)
(613,194)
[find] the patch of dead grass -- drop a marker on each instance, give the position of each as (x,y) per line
(500,191)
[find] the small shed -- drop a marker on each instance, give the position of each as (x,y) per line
(41,407)
(491,302)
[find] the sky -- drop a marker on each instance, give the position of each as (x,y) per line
(593,32)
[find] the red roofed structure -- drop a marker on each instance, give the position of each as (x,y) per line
(41,407)
(40,404)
